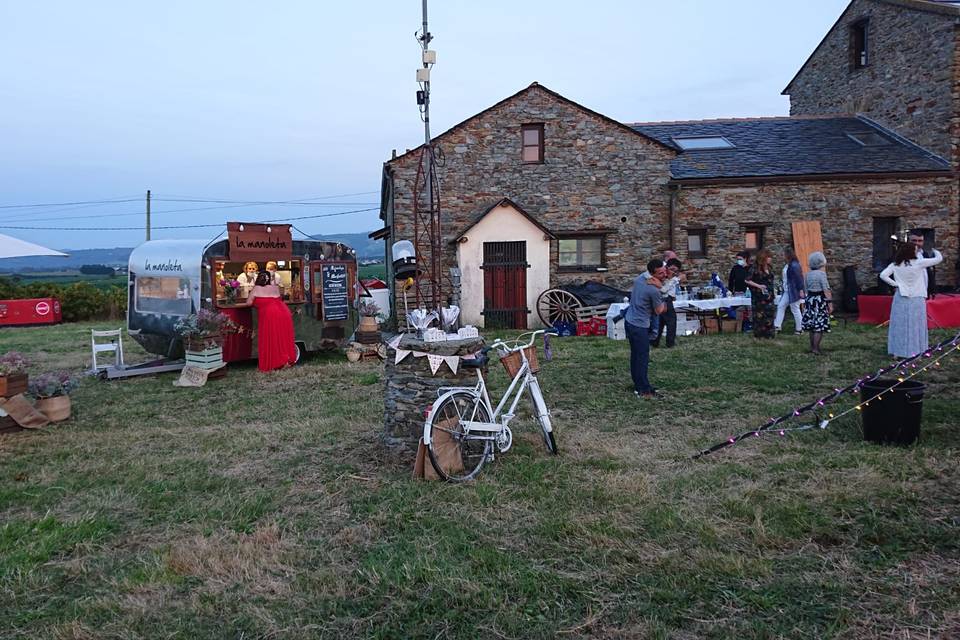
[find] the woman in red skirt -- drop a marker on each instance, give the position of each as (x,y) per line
(275,342)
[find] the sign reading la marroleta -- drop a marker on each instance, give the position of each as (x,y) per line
(250,240)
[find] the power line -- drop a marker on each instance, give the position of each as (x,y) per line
(64,204)
(140,213)
(189,226)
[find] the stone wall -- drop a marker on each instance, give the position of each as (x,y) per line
(845,210)
(410,388)
(908,84)
(596,174)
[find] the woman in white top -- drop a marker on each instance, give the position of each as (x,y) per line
(907,334)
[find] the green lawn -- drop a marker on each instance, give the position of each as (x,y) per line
(264,506)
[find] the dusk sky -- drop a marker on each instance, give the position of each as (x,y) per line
(297,100)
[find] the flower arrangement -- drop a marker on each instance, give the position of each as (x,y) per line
(52,384)
(230,288)
(204,328)
(12,363)
(368,308)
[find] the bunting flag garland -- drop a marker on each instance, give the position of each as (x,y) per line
(435,362)
(401,354)
(906,369)
(453,362)
(396,341)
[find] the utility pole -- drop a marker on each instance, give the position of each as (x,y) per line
(148,214)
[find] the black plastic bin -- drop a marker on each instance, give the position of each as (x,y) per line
(894,418)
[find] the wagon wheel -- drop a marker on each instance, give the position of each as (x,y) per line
(557,305)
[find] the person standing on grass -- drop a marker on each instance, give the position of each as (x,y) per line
(737,281)
(760,281)
(645,305)
(668,319)
(907,334)
(816,315)
(792,292)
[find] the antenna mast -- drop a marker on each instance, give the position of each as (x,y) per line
(428,240)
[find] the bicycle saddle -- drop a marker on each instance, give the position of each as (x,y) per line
(475,363)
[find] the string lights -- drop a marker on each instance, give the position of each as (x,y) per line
(907,369)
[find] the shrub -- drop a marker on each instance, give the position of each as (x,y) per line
(79,301)
(54,383)
(13,362)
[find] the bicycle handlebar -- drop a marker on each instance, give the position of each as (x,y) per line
(517,343)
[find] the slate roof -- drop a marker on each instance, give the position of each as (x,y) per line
(794,146)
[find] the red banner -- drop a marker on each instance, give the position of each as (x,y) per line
(252,241)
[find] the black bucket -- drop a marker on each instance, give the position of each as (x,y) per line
(893,418)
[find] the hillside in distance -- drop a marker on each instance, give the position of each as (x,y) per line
(366,249)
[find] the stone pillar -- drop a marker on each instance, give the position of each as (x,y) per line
(410,387)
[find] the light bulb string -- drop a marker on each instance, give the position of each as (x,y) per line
(902,364)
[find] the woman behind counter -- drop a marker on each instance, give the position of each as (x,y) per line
(275,339)
(907,334)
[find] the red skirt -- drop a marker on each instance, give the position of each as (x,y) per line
(275,342)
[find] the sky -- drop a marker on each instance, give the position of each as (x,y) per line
(304,100)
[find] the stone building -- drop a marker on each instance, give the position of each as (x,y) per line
(538,190)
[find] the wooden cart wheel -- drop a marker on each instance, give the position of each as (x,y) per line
(557,305)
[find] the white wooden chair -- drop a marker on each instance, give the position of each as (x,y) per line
(102,341)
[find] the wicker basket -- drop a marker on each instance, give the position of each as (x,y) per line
(512,361)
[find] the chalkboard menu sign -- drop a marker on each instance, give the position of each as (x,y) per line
(333,286)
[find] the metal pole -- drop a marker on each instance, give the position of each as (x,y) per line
(148,214)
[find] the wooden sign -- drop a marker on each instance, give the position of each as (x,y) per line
(334,290)
(259,242)
(806,240)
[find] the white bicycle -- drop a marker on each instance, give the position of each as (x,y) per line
(462,427)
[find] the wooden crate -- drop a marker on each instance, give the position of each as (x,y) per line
(13,384)
(210,358)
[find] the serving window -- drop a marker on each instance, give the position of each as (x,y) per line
(289,273)
(169,295)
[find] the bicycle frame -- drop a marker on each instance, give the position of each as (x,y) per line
(498,418)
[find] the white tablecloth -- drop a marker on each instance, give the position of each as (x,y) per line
(715,303)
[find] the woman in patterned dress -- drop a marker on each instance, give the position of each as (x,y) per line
(816,315)
(762,294)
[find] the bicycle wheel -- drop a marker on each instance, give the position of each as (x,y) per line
(542,416)
(455,455)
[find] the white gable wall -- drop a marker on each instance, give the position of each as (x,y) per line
(502,224)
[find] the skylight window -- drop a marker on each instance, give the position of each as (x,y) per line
(868,138)
(701,143)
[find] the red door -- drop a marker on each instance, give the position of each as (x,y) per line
(505,285)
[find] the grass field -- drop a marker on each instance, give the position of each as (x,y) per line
(263,506)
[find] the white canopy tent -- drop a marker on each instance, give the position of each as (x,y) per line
(14,248)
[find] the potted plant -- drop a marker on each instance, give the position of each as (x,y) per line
(204,329)
(202,335)
(368,311)
(230,289)
(13,374)
(52,391)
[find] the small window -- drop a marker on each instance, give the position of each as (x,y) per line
(168,296)
(702,143)
(883,229)
(697,243)
(580,253)
(753,239)
(532,137)
(868,138)
(858,45)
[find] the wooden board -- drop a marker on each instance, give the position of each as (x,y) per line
(806,240)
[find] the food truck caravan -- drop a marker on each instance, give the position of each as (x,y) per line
(171,279)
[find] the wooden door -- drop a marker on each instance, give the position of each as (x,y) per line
(806,240)
(505,285)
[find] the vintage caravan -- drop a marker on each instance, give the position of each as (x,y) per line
(171,279)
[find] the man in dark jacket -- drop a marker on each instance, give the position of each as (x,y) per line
(737,282)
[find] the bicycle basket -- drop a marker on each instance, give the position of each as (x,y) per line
(512,361)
